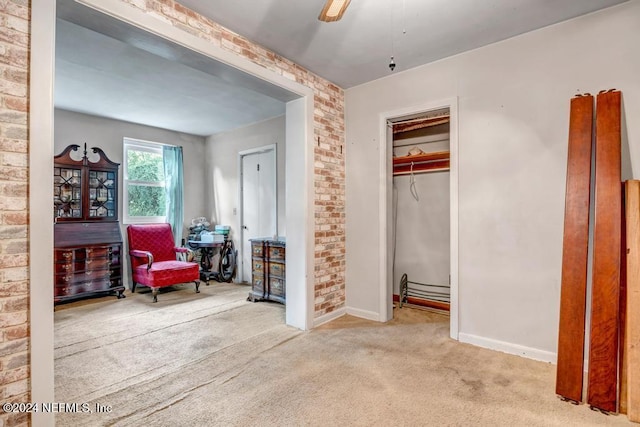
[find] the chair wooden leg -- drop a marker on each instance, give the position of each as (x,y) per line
(154,292)
(197,282)
(133,287)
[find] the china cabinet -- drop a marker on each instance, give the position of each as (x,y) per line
(87,239)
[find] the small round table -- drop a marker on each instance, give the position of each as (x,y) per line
(207,251)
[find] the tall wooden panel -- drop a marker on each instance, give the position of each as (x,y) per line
(622,356)
(632,330)
(569,374)
(603,346)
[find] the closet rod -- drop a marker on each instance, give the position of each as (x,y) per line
(421,119)
(419,143)
(418,172)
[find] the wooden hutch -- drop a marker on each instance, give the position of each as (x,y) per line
(87,239)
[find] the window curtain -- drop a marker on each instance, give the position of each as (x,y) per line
(173,175)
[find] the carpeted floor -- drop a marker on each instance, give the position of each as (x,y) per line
(214,359)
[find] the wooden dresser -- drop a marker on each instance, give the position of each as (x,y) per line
(87,238)
(88,260)
(268,270)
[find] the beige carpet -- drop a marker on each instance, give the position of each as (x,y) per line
(214,359)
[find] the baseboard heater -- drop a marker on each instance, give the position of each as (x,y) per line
(424,294)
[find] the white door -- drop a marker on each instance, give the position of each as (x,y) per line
(259,201)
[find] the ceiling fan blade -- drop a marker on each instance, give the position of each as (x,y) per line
(333,10)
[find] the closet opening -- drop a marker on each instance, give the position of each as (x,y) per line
(421,210)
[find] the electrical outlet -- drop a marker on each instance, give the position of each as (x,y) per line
(235,211)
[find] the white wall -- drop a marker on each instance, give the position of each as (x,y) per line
(422,231)
(422,220)
(222,171)
(107,134)
(513,100)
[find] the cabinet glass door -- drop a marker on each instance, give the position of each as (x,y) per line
(102,194)
(67,192)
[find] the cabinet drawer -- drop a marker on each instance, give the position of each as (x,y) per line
(78,279)
(276,252)
(62,290)
(99,252)
(276,269)
(81,267)
(98,285)
(257,266)
(257,248)
(64,256)
(257,286)
(67,268)
(95,274)
(97,263)
(257,280)
(276,286)
(83,254)
(64,279)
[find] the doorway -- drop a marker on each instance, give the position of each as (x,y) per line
(421,210)
(386,254)
(298,163)
(258,200)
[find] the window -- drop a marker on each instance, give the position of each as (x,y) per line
(144,182)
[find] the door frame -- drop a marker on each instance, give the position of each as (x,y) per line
(386,205)
(243,241)
(298,165)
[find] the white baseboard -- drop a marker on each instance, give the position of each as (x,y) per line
(365,314)
(505,347)
(329,317)
(491,344)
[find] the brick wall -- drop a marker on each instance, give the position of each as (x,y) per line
(14,291)
(328,143)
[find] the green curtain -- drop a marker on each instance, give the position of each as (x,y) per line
(172,159)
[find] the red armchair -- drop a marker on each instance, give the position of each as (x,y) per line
(153,259)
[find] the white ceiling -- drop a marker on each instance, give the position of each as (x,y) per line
(107,68)
(130,82)
(357,49)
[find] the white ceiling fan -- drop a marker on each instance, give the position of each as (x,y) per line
(333,10)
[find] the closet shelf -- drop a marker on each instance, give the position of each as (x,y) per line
(419,123)
(419,163)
